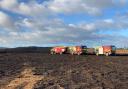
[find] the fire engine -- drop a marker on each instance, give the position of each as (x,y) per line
(105,50)
(58,50)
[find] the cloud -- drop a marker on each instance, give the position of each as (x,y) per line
(80,6)
(6,22)
(7,4)
(117,23)
(41,24)
(55,31)
(47,7)
(123,2)
(57,6)
(31,8)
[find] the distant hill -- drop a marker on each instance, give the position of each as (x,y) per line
(2,47)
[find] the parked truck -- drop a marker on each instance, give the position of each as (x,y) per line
(122,51)
(58,50)
(74,50)
(105,50)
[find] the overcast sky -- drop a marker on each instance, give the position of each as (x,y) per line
(63,22)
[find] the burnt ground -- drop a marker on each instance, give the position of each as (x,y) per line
(67,71)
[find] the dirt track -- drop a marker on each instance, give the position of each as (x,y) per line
(66,71)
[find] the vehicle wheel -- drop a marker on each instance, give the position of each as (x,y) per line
(78,53)
(72,53)
(107,54)
(97,54)
(52,53)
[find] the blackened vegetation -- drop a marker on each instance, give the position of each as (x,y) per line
(26,50)
(67,71)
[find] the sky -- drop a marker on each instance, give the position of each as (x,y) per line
(63,22)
